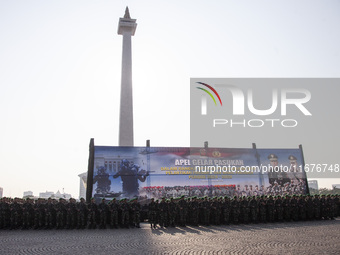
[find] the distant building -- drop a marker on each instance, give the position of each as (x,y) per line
(336,186)
(313,184)
(82,185)
(46,194)
(51,194)
(1,192)
(28,194)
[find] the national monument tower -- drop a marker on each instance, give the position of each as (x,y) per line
(126,28)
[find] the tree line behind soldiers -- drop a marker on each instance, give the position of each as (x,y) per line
(41,214)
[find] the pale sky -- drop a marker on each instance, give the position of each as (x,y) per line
(60,65)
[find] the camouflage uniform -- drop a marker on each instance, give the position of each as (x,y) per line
(125,209)
(103,209)
(153,209)
(81,208)
(27,220)
(263,209)
(235,207)
(92,214)
(135,208)
(163,212)
(172,212)
(226,210)
(182,209)
(253,204)
(114,209)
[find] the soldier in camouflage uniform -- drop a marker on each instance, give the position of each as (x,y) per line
(1,214)
(92,214)
(235,207)
(39,214)
(244,210)
(279,208)
(294,208)
(226,210)
(253,204)
(270,209)
(309,208)
(316,207)
(60,214)
(263,209)
(172,212)
(27,220)
(81,208)
(217,209)
(125,209)
(182,209)
(16,214)
(206,205)
(114,210)
(302,207)
(163,212)
(49,214)
(194,211)
(135,209)
(337,204)
(330,207)
(153,210)
(6,213)
(286,208)
(103,209)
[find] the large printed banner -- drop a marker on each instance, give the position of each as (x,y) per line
(146,172)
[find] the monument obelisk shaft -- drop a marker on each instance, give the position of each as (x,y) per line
(126,28)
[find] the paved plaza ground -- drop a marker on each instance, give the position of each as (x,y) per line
(316,237)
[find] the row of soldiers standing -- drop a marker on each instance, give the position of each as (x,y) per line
(218,210)
(41,214)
